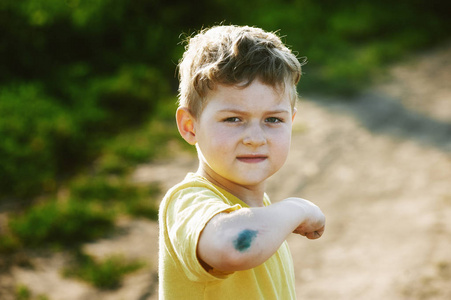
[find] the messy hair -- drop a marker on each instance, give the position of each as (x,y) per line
(234,55)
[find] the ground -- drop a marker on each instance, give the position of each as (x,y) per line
(379,166)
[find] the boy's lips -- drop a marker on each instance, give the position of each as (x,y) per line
(252,158)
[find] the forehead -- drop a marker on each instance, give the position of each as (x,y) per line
(254,96)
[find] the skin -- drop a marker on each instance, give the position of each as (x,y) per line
(243,136)
(245,239)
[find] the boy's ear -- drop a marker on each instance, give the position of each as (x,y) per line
(294,114)
(185,124)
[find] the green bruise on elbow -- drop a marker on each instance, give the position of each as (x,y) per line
(244,239)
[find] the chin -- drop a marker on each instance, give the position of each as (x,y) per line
(250,181)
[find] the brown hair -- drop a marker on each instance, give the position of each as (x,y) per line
(234,55)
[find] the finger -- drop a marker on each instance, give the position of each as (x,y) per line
(299,232)
(320,231)
(313,235)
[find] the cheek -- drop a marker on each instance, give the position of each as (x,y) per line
(219,140)
(225,135)
(281,143)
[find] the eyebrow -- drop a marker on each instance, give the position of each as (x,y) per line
(243,112)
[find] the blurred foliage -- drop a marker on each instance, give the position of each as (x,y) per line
(22,292)
(117,195)
(90,87)
(32,126)
(89,212)
(61,224)
(74,73)
(104,275)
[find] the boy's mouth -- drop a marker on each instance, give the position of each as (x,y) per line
(252,158)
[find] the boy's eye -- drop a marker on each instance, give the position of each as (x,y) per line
(232,120)
(273,120)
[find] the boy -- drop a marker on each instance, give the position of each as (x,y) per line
(220,236)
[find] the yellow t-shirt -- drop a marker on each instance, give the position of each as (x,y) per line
(184,212)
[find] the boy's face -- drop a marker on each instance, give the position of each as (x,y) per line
(243,135)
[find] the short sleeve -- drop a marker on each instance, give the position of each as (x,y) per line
(188,213)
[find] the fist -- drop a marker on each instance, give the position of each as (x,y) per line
(312,221)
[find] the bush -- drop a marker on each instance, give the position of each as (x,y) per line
(64,224)
(23,293)
(143,208)
(106,274)
(32,125)
(99,188)
(120,196)
(45,138)
(9,243)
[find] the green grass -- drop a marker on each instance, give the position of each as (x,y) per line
(22,292)
(118,194)
(9,243)
(60,224)
(94,199)
(106,274)
(89,213)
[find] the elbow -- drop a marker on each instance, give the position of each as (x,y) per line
(235,253)
(230,260)
(237,261)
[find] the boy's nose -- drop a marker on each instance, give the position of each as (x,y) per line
(255,136)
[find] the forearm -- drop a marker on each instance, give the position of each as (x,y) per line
(248,237)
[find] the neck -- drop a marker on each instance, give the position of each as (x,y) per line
(251,195)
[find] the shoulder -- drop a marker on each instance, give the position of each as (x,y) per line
(193,186)
(196,192)
(198,188)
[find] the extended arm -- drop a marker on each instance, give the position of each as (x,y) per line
(246,238)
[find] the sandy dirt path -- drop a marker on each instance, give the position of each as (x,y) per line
(387,199)
(379,166)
